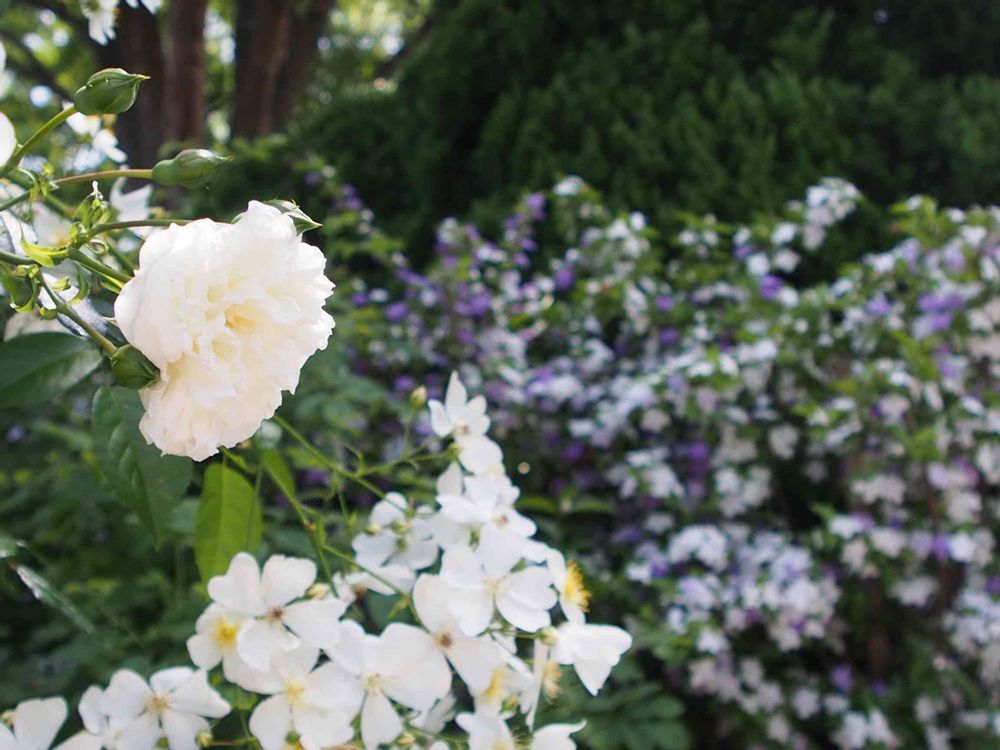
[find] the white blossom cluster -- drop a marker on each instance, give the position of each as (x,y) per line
(484,646)
(765,440)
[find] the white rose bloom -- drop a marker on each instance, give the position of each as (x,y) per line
(229,313)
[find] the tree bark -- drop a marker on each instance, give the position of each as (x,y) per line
(262,38)
(308,24)
(186,72)
(142,129)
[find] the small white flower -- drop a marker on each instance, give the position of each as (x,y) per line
(266,599)
(394,537)
(8,138)
(317,703)
(466,421)
(100,15)
(174,704)
(592,650)
(474,658)
(35,725)
(485,579)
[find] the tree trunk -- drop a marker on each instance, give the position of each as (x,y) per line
(307,26)
(142,130)
(186,72)
(262,38)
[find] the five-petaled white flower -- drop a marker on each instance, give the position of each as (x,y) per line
(396,537)
(316,703)
(486,578)
(592,650)
(35,725)
(174,704)
(466,421)
(267,599)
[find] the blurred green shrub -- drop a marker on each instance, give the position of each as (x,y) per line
(723,106)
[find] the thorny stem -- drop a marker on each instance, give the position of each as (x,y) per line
(70,313)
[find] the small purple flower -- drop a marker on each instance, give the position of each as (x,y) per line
(395,312)
(669,336)
(940,303)
(664,302)
(359,299)
(940,547)
(879,306)
(535,203)
(16,434)
(743,251)
(521,260)
(842,678)
(574,452)
(770,286)
(404,384)
(564,278)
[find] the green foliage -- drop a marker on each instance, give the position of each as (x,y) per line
(40,366)
(147,483)
(726,107)
(229,520)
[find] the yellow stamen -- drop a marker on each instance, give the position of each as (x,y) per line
(551,674)
(224,633)
(573,588)
(497,688)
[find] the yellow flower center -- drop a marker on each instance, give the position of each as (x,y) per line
(573,588)
(158,703)
(294,691)
(497,688)
(224,633)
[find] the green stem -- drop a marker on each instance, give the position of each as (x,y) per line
(313,531)
(38,135)
(70,313)
(97,267)
(110,174)
(115,225)
(16,260)
(10,203)
(329,463)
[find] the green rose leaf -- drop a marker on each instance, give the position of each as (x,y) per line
(229,520)
(148,483)
(41,366)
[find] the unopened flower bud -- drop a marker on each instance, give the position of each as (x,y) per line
(7,717)
(190,168)
(132,368)
(20,291)
(406,739)
(418,398)
(318,591)
(303,222)
(205,739)
(108,92)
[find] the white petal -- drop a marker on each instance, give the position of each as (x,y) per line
(479,454)
(422,683)
(475,660)
(320,729)
(36,722)
(271,721)
(168,680)
(261,641)
(195,696)
(317,623)
(240,588)
(286,578)
(141,734)
(8,138)
(556,737)
(7,741)
(126,695)
(332,687)
(81,741)
(440,423)
(380,724)
(204,650)
(456,395)
(182,729)
(89,707)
